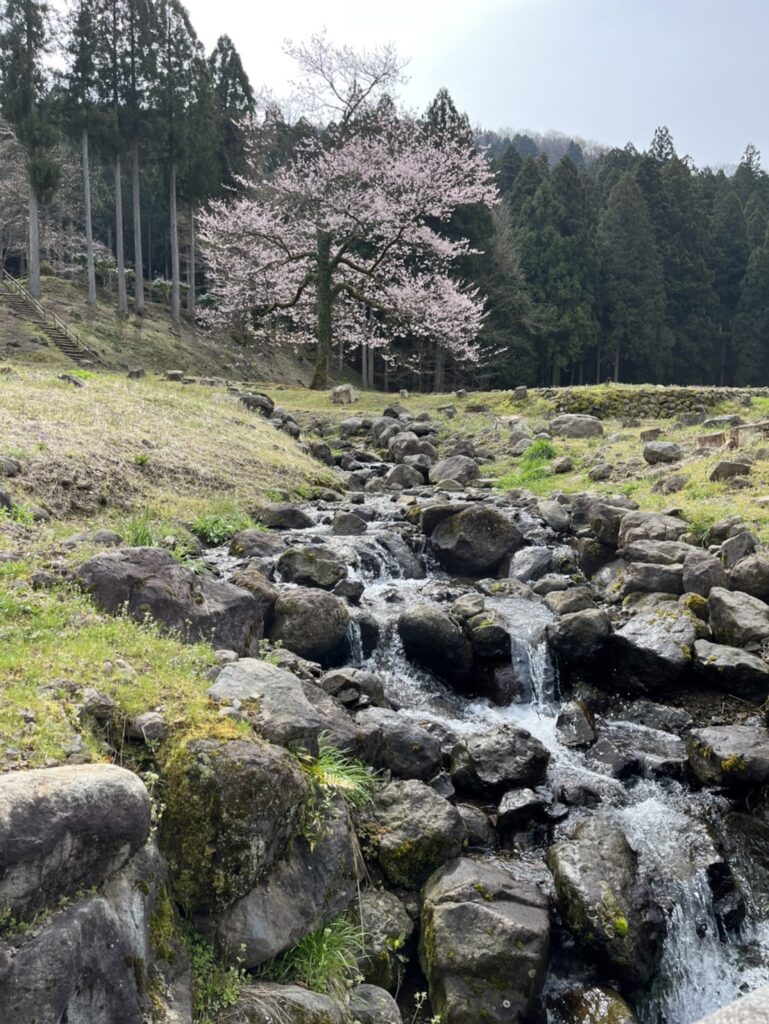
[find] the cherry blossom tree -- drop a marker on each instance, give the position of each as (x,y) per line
(342,231)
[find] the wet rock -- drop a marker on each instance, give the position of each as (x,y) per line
(468,606)
(490,639)
(702,572)
(656,452)
(595,1006)
(432,639)
(530,563)
(738,619)
(751,576)
(408,750)
(657,716)
(487,764)
(613,760)
(576,425)
(66,829)
(565,602)
(372,1005)
(404,476)
(734,670)
(409,565)
(485,942)
(283,908)
(730,756)
(269,1003)
(415,831)
(748,1009)
(231,810)
(593,555)
(312,566)
(431,515)
(474,541)
(366,686)
(461,468)
(283,517)
(387,927)
(653,649)
(603,901)
(519,806)
(555,515)
(150,582)
(312,624)
(575,725)
(579,636)
(254,543)
(478,828)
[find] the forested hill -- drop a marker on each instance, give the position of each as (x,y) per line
(118,131)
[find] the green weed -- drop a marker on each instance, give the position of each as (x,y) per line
(215,984)
(219,527)
(324,961)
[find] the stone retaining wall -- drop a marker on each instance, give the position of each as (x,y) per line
(644,401)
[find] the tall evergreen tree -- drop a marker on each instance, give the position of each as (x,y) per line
(25,37)
(751,322)
(756,220)
(508,168)
(730,252)
(632,291)
(234,99)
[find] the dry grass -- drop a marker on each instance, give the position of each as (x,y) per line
(117,445)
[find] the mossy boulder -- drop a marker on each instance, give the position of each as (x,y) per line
(475,541)
(730,756)
(484,943)
(412,831)
(387,929)
(314,566)
(605,902)
(595,1006)
(232,807)
(312,624)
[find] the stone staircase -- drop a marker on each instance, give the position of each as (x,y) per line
(66,339)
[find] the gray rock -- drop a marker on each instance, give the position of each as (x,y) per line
(635,526)
(485,943)
(232,808)
(751,576)
(150,582)
(372,1005)
(555,515)
(404,476)
(432,639)
(149,727)
(387,927)
(487,764)
(654,649)
(579,636)
(530,563)
(659,552)
(366,686)
(269,1003)
(576,425)
(104,538)
(656,452)
(575,725)
(748,1009)
(255,543)
(563,464)
(409,565)
(408,750)
(283,908)
(603,902)
(730,756)
(519,806)
(478,828)
(702,572)
(733,670)
(596,1006)
(646,578)
(283,517)
(737,619)
(321,451)
(457,467)
(727,469)
(65,829)
(575,599)
(415,831)
(474,541)
(312,624)
(737,547)
(313,566)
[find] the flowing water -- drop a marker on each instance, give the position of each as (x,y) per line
(673,829)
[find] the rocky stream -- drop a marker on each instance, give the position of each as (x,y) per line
(563,699)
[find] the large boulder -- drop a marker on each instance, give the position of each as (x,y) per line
(415,830)
(314,881)
(604,902)
(66,829)
(595,1006)
(578,637)
(475,541)
(312,624)
(656,452)
(647,578)
(488,764)
(654,649)
(149,582)
(404,476)
(748,1009)
(636,525)
(408,750)
(372,1005)
(484,945)
(280,516)
(457,467)
(702,572)
(732,669)
(256,543)
(232,807)
(732,756)
(313,566)
(576,425)
(751,576)
(738,619)
(433,639)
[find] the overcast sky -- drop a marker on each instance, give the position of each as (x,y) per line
(605,70)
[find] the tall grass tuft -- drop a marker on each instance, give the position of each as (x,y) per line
(325,961)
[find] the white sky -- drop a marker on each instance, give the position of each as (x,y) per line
(607,70)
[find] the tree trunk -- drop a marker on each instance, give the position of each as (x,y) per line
(91,272)
(364,365)
(616,365)
(598,362)
(371,367)
(440,363)
(149,250)
(137,214)
(176,307)
(556,378)
(323,326)
(191,267)
(33,255)
(122,298)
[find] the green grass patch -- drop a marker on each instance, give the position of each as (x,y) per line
(533,467)
(324,961)
(218,527)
